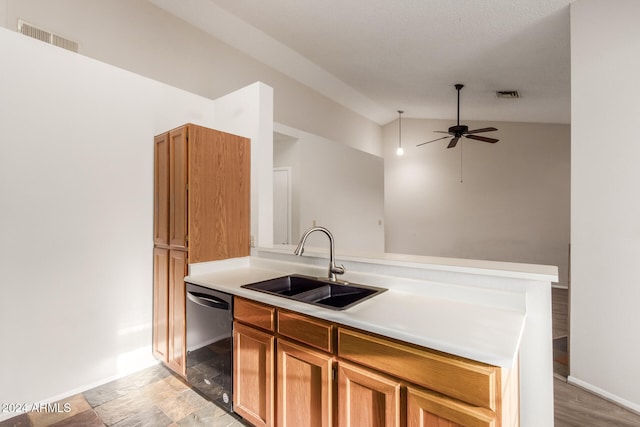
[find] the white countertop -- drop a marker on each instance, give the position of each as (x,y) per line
(407,311)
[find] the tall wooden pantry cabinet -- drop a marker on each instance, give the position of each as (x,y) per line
(201,213)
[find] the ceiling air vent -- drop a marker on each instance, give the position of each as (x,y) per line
(46,36)
(508,94)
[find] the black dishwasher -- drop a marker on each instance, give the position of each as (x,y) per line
(210,344)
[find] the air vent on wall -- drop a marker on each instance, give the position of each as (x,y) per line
(46,36)
(508,94)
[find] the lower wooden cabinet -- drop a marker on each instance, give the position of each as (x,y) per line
(292,370)
(161,304)
(177,355)
(305,386)
(253,375)
(169,309)
(368,399)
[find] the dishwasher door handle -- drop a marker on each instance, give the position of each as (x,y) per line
(207,300)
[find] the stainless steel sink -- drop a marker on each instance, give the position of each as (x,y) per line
(313,290)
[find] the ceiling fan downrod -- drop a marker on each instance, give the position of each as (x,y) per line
(458,87)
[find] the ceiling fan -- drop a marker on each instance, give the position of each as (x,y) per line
(458,131)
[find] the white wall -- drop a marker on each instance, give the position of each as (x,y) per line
(140,37)
(249,112)
(76,196)
(336,186)
(286,153)
(3,13)
(513,203)
(605,205)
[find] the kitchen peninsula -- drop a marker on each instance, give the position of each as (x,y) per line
(485,313)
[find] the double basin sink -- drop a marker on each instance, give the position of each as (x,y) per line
(313,290)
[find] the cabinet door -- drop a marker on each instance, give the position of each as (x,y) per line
(178,178)
(219,195)
(430,409)
(305,387)
(253,375)
(177,312)
(367,399)
(161,190)
(160,303)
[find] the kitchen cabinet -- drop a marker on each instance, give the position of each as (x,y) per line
(254,346)
(367,398)
(161,304)
(304,375)
(472,382)
(201,203)
(329,374)
(161,190)
(312,332)
(178,181)
(427,409)
(305,366)
(253,379)
(201,213)
(305,386)
(177,319)
(466,392)
(169,327)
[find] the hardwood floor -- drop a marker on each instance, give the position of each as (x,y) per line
(560,312)
(560,321)
(574,406)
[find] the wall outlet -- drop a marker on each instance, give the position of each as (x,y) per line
(252,241)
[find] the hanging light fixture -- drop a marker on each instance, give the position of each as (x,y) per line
(400,151)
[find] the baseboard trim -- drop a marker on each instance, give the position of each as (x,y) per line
(147,363)
(633,407)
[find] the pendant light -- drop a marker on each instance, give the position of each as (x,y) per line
(400,151)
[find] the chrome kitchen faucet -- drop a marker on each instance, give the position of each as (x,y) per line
(333,269)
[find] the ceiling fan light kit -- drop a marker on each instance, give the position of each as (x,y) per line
(458,131)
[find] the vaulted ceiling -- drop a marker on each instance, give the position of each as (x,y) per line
(378,56)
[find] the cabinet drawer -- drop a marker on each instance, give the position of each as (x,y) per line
(253,313)
(472,382)
(428,408)
(313,332)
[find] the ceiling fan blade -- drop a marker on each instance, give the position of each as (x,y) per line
(433,140)
(441,131)
(453,142)
(491,129)
(482,138)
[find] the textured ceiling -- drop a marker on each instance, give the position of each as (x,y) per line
(378,56)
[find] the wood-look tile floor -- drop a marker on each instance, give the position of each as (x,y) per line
(153,397)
